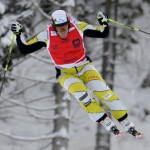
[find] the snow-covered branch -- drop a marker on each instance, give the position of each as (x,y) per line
(41,59)
(67,3)
(24,89)
(50,96)
(43,117)
(20,138)
(40,10)
(31,79)
(27,106)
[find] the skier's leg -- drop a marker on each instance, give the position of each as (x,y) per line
(76,87)
(73,84)
(109,99)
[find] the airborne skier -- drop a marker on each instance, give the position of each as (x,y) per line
(75,71)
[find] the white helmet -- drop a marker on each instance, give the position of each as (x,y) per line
(59,18)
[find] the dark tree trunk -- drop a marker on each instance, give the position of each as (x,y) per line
(108,65)
(61,123)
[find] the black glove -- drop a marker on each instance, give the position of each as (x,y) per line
(102,18)
(16,28)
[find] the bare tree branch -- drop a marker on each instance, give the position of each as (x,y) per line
(35,80)
(40,10)
(45,146)
(67,3)
(29,107)
(20,138)
(42,117)
(41,59)
(27,102)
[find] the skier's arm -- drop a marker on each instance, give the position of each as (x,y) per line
(95,31)
(101,31)
(26,49)
(33,45)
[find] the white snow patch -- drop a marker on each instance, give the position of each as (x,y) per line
(2,8)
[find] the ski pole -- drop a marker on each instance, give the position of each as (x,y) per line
(127,26)
(8,60)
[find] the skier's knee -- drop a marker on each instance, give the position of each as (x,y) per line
(83,98)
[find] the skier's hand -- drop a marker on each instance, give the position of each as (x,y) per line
(102,18)
(16,28)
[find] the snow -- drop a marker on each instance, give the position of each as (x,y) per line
(63,133)
(27,102)
(69,3)
(2,8)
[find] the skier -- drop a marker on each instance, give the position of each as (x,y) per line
(75,71)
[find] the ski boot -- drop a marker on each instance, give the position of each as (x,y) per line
(135,133)
(130,128)
(111,127)
(116,131)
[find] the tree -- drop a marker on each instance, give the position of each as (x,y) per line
(61,123)
(114,48)
(108,67)
(8,14)
(28,105)
(61,120)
